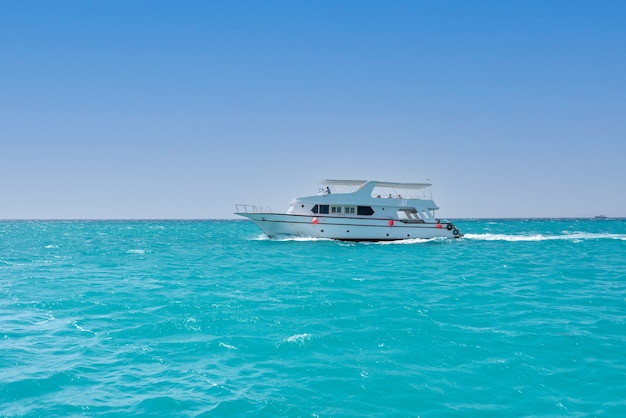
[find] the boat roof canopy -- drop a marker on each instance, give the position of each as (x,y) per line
(360,183)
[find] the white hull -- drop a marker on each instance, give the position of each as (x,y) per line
(347,229)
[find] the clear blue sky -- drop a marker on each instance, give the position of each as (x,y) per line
(154,109)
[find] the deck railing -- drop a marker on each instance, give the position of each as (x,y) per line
(245,208)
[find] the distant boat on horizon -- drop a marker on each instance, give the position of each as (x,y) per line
(600,217)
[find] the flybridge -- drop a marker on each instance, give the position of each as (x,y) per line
(379,188)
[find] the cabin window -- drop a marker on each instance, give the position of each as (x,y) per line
(335,209)
(321,209)
(349,209)
(364,210)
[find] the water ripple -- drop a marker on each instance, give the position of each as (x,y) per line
(519,317)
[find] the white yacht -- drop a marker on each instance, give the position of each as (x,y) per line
(356,210)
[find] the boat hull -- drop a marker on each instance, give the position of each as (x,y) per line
(348,229)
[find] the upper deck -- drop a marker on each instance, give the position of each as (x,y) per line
(378,189)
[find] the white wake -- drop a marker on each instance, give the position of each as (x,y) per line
(575,236)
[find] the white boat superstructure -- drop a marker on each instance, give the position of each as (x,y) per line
(356,210)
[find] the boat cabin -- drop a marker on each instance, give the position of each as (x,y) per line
(405,202)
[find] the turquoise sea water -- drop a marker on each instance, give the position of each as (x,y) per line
(208,318)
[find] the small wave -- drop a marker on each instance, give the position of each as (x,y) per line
(412,241)
(230,347)
(49,317)
(264,237)
(261,237)
(78,327)
(298,339)
(302,239)
(313,239)
(136,252)
(51,246)
(579,236)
